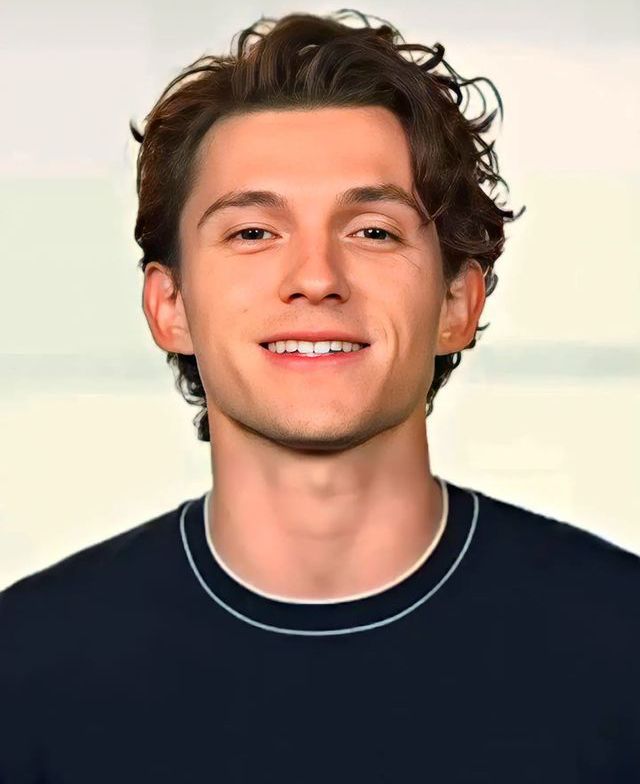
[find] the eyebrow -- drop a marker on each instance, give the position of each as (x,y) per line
(358,195)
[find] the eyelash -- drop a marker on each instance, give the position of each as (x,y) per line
(394,237)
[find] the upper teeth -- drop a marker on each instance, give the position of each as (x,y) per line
(307,347)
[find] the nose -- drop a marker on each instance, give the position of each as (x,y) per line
(315,271)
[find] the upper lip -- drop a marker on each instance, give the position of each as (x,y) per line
(315,336)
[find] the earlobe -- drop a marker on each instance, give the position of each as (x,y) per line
(164,310)
(461,309)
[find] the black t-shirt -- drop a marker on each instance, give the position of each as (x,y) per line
(511,654)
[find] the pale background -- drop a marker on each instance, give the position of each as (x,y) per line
(544,412)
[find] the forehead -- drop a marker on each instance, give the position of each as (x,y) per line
(306,146)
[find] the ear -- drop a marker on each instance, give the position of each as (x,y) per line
(164,310)
(461,309)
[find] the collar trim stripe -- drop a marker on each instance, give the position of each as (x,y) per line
(327,632)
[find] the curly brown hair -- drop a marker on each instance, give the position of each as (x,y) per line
(309,61)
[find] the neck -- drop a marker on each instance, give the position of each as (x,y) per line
(313,527)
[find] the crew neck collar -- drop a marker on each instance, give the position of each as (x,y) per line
(342,615)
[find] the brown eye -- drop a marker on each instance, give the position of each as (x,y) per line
(250,230)
(377,230)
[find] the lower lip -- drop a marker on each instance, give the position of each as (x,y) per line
(324,361)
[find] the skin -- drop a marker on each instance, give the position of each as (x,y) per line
(322,481)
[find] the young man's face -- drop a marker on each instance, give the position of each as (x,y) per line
(312,265)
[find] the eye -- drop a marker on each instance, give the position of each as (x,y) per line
(394,237)
(250,229)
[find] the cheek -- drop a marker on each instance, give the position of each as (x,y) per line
(421,306)
(224,310)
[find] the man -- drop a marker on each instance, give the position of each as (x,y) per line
(317,253)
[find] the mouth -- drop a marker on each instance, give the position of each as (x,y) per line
(330,351)
(326,357)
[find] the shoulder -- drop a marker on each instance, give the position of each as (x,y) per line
(56,622)
(551,538)
(76,586)
(556,559)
